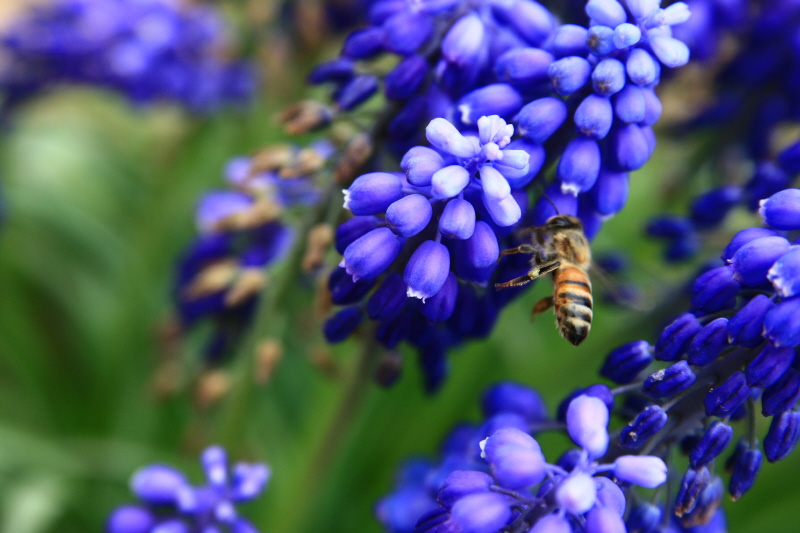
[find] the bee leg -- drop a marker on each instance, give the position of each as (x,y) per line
(530,276)
(521,249)
(541,306)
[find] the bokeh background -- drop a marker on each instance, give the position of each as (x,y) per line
(97,203)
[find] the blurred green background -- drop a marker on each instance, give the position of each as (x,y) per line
(98,201)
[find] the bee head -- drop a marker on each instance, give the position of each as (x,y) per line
(560,222)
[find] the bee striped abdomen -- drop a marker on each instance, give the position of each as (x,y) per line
(573,303)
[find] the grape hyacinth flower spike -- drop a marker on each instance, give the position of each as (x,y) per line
(170,504)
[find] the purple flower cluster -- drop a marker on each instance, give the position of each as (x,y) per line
(733,350)
(470,73)
(170,504)
(221,274)
(145,49)
(502,482)
(750,117)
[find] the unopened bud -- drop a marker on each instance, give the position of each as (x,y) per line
(213,278)
(356,153)
(306,161)
(319,240)
(211,387)
(271,158)
(304,117)
(249,283)
(269,352)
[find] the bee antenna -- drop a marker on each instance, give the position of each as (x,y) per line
(546,197)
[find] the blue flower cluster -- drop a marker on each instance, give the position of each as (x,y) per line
(145,49)
(491,84)
(170,504)
(756,98)
(734,349)
(221,274)
(494,477)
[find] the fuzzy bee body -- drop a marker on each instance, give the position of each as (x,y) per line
(561,247)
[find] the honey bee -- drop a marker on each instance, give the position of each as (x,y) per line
(560,247)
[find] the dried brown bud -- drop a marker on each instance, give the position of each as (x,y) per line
(319,240)
(271,158)
(356,153)
(213,278)
(307,161)
(249,283)
(389,369)
(264,210)
(305,116)
(268,354)
(211,387)
(166,379)
(323,302)
(321,358)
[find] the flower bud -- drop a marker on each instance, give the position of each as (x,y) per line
(579,165)
(509,397)
(644,518)
(643,470)
(671,52)
(629,104)
(753,260)
(610,495)
(338,327)
(406,78)
(440,306)
(587,421)
(134,519)
(363,44)
(568,40)
(356,91)
(642,69)
(371,254)
(444,136)
(629,147)
(420,164)
(782,323)
(610,192)
(569,74)
(552,523)
(768,366)
(606,12)
(608,77)
(461,483)
(742,238)
(427,270)
(157,484)
(449,181)
(523,67)
(594,116)
(495,99)
(711,444)
(652,107)
(539,119)
(745,469)
(464,42)
(531,20)
(709,342)
(745,327)
(646,424)
(406,31)
(577,493)
(693,484)
(504,211)
(626,34)
(782,395)
(714,290)
(624,363)
(782,210)
(725,399)
(604,520)
(409,215)
(340,70)
(388,300)
(515,458)
(345,291)
(784,431)
(481,512)
(351,229)
(675,338)
(372,193)
(458,219)
(669,381)
(785,273)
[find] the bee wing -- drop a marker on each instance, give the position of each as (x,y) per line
(619,292)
